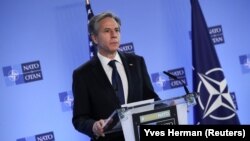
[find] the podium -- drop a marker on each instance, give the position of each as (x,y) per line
(172,111)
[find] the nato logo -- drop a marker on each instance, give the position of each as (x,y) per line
(66,100)
(128,48)
(162,82)
(49,136)
(245,63)
(216,34)
(180,74)
(22,73)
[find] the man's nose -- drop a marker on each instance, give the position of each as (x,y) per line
(114,33)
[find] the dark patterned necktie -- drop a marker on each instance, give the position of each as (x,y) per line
(117,82)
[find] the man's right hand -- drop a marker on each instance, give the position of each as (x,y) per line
(98,128)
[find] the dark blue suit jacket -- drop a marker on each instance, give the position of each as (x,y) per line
(94,96)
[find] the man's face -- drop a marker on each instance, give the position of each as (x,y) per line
(108,37)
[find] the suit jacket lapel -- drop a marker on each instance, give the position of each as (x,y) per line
(100,74)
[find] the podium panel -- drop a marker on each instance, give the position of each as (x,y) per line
(164,112)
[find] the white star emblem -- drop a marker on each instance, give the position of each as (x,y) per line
(220,94)
(247,63)
(68,100)
(160,81)
(91,54)
(90,43)
(13,75)
(89,11)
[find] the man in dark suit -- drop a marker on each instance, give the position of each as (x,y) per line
(95,97)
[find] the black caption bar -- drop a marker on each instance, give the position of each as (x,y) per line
(207,132)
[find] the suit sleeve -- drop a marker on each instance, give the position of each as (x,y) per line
(81,110)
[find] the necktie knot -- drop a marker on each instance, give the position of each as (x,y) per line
(112,64)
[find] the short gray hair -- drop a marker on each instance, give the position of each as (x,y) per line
(93,25)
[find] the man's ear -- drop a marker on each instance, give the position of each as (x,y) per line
(94,38)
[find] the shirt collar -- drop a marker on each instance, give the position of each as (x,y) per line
(105,60)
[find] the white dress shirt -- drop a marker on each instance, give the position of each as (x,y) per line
(120,68)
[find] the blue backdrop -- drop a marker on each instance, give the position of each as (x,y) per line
(41,42)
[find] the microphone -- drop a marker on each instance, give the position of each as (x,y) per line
(189,97)
(176,78)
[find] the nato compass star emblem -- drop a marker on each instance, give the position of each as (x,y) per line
(217,96)
(160,81)
(13,75)
(68,100)
(247,63)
